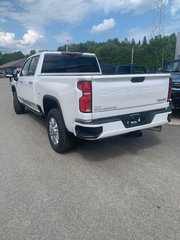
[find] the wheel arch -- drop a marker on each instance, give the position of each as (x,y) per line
(50,102)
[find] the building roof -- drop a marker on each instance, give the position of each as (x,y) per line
(14,64)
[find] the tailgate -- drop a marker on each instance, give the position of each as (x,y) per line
(122,94)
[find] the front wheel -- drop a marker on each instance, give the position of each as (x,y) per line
(61,140)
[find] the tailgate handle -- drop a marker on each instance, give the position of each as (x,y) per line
(137,79)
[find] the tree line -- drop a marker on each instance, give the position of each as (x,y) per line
(152,53)
(8,57)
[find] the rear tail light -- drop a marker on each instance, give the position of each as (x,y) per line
(170,90)
(85,102)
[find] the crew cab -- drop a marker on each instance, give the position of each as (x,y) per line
(173,67)
(69,89)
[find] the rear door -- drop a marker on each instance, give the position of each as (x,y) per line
(123,94)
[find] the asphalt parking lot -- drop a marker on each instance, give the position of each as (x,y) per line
(122,188)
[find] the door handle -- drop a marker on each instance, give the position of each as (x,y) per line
(30,82)
(21,81)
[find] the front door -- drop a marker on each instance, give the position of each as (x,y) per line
(25,86)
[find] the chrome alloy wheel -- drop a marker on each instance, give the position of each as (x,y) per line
(53,130)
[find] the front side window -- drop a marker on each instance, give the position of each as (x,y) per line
(33,66)
(25,69)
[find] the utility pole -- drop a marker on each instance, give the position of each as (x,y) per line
(132,55)
(158,23)
(158,18)
(67,45)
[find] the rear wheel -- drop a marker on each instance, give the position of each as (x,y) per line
(60,138)
(19,108)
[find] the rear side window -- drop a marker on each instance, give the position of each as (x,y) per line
(138,69)
(56,63)
(124,70)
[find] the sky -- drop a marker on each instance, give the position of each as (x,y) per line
(47,24)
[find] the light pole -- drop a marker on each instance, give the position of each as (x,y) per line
(67,45)
(162,64)
(132,55)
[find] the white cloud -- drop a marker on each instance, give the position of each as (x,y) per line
(175,8)
(29,41)
(31,37)
(31,12)
(45,12)
(138,6)
(5,8)
(6,38)
(105,26)
(63,38)
(36,15)
(27,1)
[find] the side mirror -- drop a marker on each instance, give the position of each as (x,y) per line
(11,76)
(16,76)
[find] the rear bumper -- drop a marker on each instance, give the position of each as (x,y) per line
(108,127)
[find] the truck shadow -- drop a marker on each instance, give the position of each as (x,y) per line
(39,119)
(175,117)
(176,113)
(110,148)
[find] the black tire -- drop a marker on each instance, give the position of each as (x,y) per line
(19,108)
(60,138)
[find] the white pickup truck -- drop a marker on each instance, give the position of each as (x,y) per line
(69,89)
